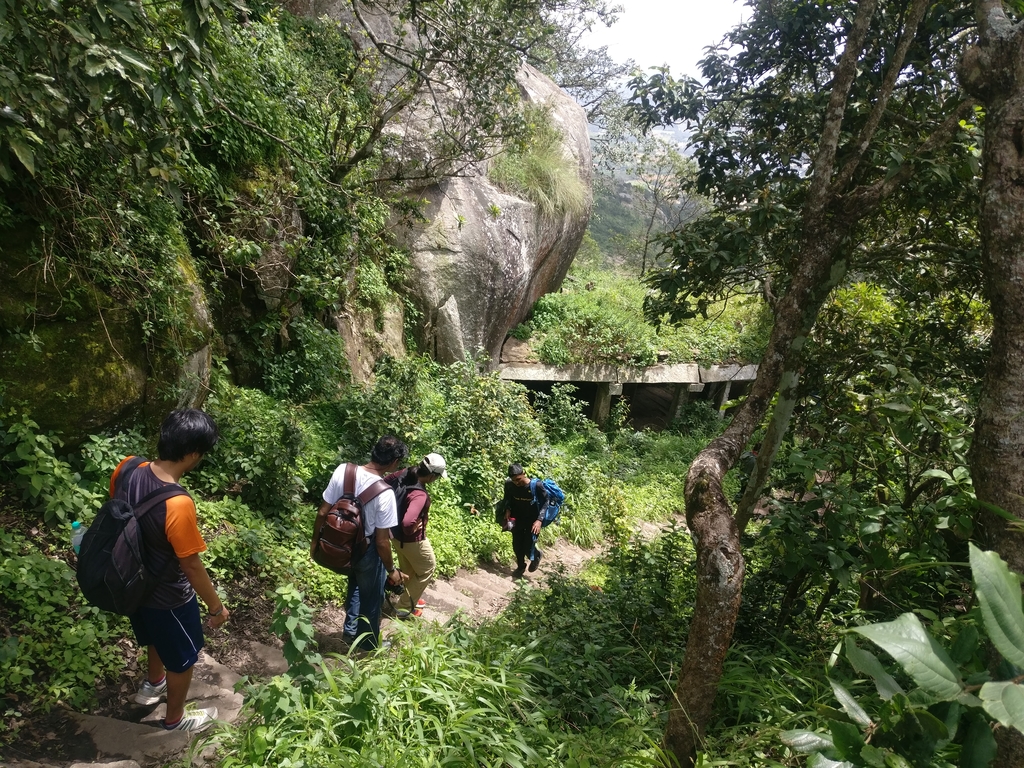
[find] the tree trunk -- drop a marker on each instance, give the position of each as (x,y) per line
(829,216)
(994,71)
(720,564)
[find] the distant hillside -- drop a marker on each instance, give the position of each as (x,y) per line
(620,223)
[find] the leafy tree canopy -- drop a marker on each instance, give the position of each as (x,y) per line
(110,73)
(756,121)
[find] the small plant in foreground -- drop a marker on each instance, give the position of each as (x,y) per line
(944,715)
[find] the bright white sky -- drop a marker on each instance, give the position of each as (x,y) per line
(673,32)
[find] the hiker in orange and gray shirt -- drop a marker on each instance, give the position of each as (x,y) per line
(168,623)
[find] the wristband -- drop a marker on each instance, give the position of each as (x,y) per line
(217,613)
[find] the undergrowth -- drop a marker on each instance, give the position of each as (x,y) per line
(257,491)
(598,317)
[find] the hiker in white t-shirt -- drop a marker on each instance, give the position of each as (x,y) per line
(365,594)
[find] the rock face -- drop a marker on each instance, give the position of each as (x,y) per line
(78,360)
(485,257)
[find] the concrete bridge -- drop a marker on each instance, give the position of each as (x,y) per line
(657,392)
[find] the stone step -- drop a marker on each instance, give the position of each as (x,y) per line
(471,586)
(146,742)
(443,597)
(496,580)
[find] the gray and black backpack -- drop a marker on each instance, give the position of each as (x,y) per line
(112,568)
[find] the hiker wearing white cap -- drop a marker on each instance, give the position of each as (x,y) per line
(415,554)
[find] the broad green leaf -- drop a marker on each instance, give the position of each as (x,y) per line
(850,705)
(898,407)
(868,664)
(873,756)
(24,153)
(847,739)
(937,473)
(805,741)
(1005,702)
(999,595)
(818,760)
(923,659)
(933,728)
(965,645)
(979,748)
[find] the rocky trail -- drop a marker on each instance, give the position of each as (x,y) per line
(133,740)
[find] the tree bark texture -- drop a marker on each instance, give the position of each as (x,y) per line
(720,563)
(994,71)
(830,215)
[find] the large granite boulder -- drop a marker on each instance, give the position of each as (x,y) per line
(484,256)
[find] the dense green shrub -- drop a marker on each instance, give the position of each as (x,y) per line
(479,423)
(257,455)
(560,413)
(55,648)
(455,698)
(598,640)
(598,317)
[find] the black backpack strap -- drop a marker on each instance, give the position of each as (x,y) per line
(127,470)
(154,498)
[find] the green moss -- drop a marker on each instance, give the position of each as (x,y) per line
(80,360)
(75,377)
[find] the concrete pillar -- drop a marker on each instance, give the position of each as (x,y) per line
(679,398)
(602,403)
(723,398)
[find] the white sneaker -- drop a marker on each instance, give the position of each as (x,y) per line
(195,720)
(150,694)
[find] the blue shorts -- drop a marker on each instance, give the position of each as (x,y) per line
(176,633)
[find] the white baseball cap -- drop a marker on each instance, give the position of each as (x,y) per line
(436,464)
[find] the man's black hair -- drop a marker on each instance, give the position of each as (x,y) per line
(186,431)
(514,470)
(388,449)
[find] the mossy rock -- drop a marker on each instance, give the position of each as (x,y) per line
(78,360)
(72,378)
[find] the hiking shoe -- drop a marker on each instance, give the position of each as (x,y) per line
(405,615)
(421,603)
(535,563)
(194,720)
(519,572)
(149,694)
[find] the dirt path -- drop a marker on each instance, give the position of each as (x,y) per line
(129,738)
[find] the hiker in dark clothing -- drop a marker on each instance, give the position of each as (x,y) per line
(523,508)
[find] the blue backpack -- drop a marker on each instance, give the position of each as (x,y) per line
(556,497)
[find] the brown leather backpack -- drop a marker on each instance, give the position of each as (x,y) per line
(342,541)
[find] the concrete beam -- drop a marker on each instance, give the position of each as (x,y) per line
(676,373)
(728,373)
(529,372)
(602,403)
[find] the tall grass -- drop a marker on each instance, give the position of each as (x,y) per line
(540,171)
(434,699)
(765,689)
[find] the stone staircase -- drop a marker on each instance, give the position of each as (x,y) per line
(115,743)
